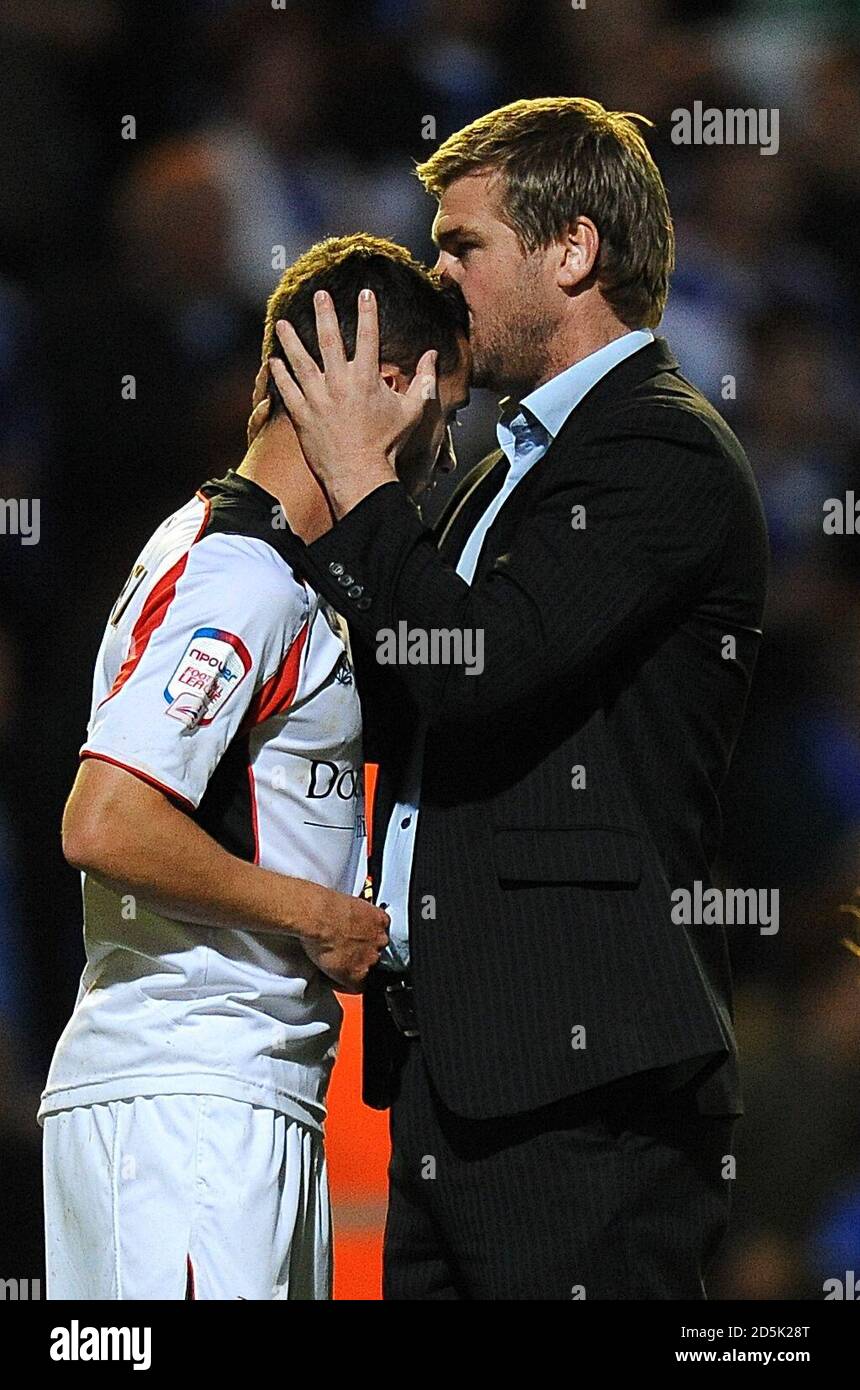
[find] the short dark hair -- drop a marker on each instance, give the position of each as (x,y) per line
(417,310)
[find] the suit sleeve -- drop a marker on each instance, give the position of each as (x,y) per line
(380,688)
(621,541)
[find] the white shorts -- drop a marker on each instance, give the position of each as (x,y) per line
(185,1196)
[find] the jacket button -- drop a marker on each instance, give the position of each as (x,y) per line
(335,568)
(344,580)
(363,604)
(356,591)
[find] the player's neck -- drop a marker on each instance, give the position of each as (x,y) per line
(275,462)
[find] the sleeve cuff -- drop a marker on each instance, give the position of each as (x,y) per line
(354,563)
(170,792)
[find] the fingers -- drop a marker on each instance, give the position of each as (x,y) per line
(261,384)
(258,417)
(367,336)
(305,368)
(366,359)
(423,384)
(291,393)
(328,334)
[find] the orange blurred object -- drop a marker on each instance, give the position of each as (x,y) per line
(358,1148)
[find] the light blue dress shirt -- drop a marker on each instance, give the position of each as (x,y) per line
(524,439)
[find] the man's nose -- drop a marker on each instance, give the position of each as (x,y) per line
(447,266)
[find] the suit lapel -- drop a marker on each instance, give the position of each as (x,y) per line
(473,497)
(474,494)
(468,504)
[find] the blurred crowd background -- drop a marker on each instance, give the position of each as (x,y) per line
(261,125)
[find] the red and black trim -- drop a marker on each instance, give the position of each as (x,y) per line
(279,691)
(255,823)
(234,505)
(181,801)
(154,610)
(241,507)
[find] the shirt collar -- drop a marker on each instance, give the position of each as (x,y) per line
(551,404)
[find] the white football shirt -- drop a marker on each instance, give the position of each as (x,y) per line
(224,680)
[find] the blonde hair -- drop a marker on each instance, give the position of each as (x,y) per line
(559,158)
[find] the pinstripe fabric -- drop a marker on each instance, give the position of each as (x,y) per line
(552,965)
(610,1200)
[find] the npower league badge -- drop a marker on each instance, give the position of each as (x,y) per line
(213,665)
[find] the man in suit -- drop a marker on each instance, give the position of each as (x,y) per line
(556,1048)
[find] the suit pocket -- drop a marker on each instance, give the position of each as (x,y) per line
(586,854)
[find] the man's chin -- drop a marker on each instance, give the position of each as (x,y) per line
(486,374)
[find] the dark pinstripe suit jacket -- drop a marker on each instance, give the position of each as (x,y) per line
(545,958)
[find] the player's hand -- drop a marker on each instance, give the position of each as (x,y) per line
(260,404)
(344,937)
(349,421)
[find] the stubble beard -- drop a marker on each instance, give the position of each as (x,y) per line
(514,353)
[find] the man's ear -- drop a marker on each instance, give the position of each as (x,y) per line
(394,377)
(580,251)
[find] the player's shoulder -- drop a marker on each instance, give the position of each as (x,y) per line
(244,539)
(668,420)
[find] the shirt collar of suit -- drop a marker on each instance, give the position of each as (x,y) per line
(538,417)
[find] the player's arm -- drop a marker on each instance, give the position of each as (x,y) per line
(133,838)
(155,741)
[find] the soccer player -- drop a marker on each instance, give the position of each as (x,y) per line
(217,819)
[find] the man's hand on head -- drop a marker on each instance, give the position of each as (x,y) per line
(259,404)
(349,421)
